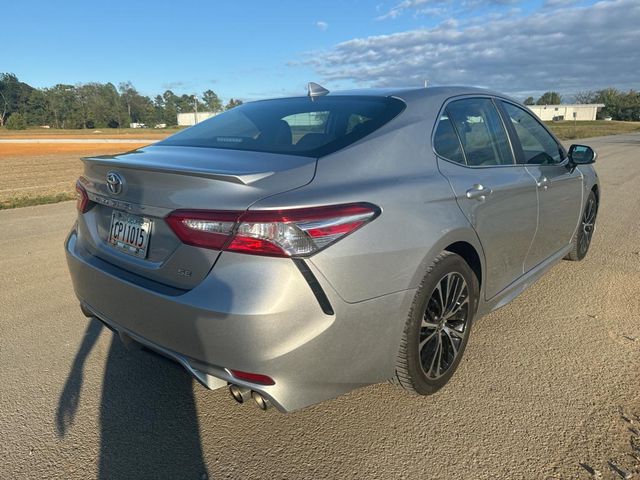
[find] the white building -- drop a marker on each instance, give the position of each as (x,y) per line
(191,118)
(567,112)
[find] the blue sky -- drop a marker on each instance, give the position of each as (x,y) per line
(257,49)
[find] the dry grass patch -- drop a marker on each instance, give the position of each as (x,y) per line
(568,131)
(107,133)
(31,174)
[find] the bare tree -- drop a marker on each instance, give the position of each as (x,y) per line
(4,109)
(585,96)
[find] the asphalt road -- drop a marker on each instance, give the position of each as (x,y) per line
(540,390)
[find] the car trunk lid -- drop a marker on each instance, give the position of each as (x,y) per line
(156,180)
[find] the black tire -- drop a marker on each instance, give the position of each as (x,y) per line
(582,238)
(413,359)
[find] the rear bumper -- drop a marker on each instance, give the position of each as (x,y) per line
(255,314)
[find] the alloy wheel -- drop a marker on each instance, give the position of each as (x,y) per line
(588,225)
(444,325)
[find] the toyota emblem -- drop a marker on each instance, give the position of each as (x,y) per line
(114,183)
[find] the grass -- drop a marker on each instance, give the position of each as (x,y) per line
(37,200)
(48,171)
(90,132)
(566,130)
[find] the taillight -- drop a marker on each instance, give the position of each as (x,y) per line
(83,204)
(202,228)
(279,233)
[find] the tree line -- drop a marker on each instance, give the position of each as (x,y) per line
(619,105)
(96,105)
(104,105)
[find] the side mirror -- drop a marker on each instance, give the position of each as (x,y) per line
(581,155)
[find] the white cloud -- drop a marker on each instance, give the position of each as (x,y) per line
(322,25)
(559,3)
(439,7)
(401,7)
(566,49)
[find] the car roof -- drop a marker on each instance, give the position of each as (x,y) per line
(410,94)
(420,92)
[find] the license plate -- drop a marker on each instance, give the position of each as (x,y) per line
(130,233)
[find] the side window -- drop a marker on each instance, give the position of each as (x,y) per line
(539,147)
(446,142)
(481,132)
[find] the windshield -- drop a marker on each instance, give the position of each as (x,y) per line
(294,126)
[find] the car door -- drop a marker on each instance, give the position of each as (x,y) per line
(559,189)
(497,195)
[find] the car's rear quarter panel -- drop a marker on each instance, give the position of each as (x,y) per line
(394,168)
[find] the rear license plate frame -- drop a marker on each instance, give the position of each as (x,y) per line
(123,224)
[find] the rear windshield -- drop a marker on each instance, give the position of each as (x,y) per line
(295,126)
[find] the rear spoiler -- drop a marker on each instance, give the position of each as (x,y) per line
(242,179)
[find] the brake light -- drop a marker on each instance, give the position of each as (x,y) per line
(279,233)
(202,228)
(82,199)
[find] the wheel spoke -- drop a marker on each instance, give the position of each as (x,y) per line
(440,356)
(458,306)
(458,300)
(426,339)
(440,299)
(436,353)
(453,344)
(452,294)
(426,324)
(590,213)
(587,212)
(453,332)
(452,288)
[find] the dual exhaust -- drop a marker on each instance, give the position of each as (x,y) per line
(244,394)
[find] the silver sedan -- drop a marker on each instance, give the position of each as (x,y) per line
(298,248)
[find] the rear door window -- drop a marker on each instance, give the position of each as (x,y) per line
(296,126)
(481,132)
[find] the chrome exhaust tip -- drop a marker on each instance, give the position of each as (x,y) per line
(261,401)
(239,394)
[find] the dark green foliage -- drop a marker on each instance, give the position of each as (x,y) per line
(549,98)
(234,102)
(212,101)
(529,101)
(16,122)
(14,96)
(618,105)
(96,105)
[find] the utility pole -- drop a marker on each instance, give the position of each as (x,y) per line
(195,105)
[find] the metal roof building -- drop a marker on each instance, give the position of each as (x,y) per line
(577,112)
(191,118)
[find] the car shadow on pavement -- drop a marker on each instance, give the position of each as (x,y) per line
(148,420)
(70,397)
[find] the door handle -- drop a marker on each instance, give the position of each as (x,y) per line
(543,183)
(478,192)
